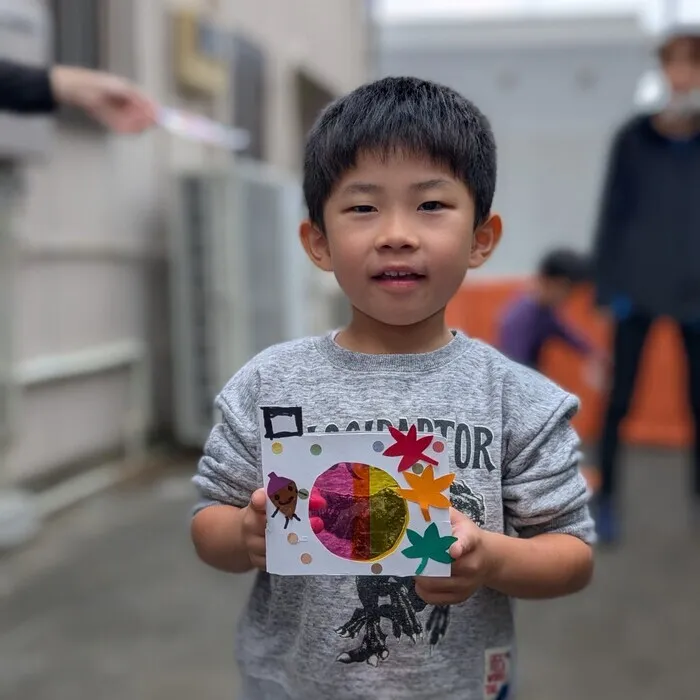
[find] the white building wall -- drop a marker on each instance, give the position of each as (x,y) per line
(91,233)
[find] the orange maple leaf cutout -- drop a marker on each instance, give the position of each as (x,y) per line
(426,490)
(409,447)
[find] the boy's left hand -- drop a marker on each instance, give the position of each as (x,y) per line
(471,567)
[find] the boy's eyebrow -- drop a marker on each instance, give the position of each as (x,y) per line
(371,188)
(430,184)
(362,188)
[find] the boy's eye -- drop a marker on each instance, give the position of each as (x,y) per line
(362,209)
(431,206)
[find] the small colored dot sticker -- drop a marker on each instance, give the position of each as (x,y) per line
(378,446)
(417,469)
(303,494)
(293,538)
(377,569)
(439,447)
(306,558)
(277,448)
(316,450)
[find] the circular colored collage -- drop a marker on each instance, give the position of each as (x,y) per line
(363,517)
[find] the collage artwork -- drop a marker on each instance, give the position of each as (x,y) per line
(354,503)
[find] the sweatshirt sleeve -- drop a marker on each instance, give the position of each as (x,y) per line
(543,489)
(25,89)
(229,469)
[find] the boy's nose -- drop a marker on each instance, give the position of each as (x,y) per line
(396,234)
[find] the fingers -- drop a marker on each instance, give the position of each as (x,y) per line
(456,517)
(464,580)
(443,591)
(436,585)
(258,501)
(257,557)
(140,112)
(464,530)
(254,529)
(123,108)
(461,547)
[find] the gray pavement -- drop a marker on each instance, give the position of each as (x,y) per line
(110,604)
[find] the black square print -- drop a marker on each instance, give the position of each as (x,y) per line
(282,422)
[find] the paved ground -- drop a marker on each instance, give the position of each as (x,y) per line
(110,604)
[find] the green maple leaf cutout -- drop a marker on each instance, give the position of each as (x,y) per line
(429,546)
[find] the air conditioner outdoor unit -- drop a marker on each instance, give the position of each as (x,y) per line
(240,281)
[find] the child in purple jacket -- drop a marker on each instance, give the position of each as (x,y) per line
(533,319)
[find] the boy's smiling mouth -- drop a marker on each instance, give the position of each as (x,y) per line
(399,276)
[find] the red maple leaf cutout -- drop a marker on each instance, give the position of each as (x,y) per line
(409,447)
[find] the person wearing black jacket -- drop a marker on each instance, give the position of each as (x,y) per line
(647,249)
(111,100)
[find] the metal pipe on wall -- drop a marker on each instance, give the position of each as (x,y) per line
(131,355)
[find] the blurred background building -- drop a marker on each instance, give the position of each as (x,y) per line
(556,78)
(86,334)
(140,273)
(137,274)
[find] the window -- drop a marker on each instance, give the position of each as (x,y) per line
(79,32)
(248,91)
(312,98)
(80,39)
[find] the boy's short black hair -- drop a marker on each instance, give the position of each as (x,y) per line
(566,265)
(401,114)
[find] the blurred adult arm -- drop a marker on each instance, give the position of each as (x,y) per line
(25,89)
(615,202)
(113,101)
(571,337)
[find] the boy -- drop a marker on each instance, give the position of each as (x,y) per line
(399,179)
(532,319)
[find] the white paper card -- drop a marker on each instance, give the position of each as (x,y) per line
(354,503)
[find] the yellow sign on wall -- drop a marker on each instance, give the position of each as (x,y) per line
(194,70)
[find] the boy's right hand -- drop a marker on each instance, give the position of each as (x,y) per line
(254,522)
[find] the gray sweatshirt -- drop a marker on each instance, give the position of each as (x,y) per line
(516,457)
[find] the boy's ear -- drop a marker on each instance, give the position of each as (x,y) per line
(486,237)
(315,244)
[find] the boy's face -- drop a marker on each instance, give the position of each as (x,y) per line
(680,59)
(400,237)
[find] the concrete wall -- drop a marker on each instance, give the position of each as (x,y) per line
(554,90)
(91,272)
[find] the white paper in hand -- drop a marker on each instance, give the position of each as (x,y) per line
(198,128)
